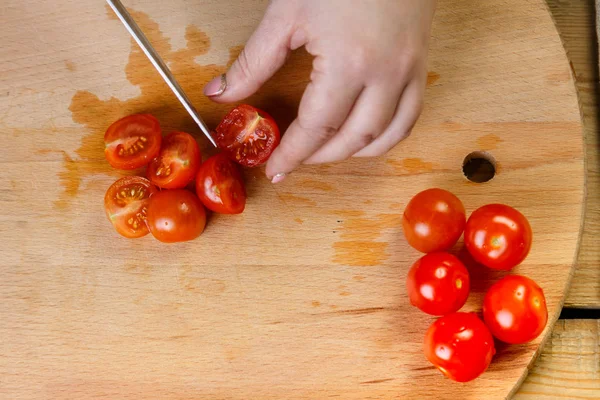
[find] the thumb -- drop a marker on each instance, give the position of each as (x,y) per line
(264,53)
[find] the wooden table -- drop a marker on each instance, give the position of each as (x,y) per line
(569,366)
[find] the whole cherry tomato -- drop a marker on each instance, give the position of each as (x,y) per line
(438,284)
(220,186)
(247,135)
(498,236)
(177,163)
(460,346)
(515,309)
(126,205)
(132,141)
(433,220)
(175,216)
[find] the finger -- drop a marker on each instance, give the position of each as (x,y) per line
(407,114)
(325,105)
(264,53)
(369,118)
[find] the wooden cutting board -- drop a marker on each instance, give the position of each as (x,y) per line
(303,295)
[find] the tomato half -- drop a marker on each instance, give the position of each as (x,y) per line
(433,220)
(247,135)
(177,162)
(176,216)
(438,284)
(132,142)
(515,309)
(220,186)
(126,205)
(498,236)
(460,346)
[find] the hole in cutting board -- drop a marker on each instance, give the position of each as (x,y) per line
(479,167)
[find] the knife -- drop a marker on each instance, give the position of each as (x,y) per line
(159,64)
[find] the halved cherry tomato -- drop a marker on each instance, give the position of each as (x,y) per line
(460,346)
(126,205)
(175,216)
(247,135)
(438,284)
(433,220)
(220,186)
(498,236)
(515,309)
(177,163)
(132,142)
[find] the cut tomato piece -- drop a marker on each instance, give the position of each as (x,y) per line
(132,142)
(177,162)
(126,205)
(220,186)
(247,135)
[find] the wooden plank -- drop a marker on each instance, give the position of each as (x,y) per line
(576,24)
(569,366)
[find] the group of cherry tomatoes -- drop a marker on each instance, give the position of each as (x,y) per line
(161,203)
(497,236)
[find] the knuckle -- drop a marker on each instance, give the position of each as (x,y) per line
(244,65)
(318,132)
(366,138)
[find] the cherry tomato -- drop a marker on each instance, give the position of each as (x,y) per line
(126,205)
(515,310)
(438,284)
(433,220)
(460,346)
(176,216)
(498,236)
(177,163)
(220,186)
(247,135)
(132,142)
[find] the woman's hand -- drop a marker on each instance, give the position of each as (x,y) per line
(368,77)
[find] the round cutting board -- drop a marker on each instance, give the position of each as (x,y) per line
(303,295)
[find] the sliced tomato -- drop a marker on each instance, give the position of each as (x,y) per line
(132,142)
(247,135)
(220,186)
(177,162)
(126,205)
(176,216)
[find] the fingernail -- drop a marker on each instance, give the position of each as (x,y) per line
(216,87)
(278,178)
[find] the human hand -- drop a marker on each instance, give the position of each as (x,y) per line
(367,83)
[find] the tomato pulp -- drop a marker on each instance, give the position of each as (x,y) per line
(247,135)
(132,141)
(126,205)
(220,186)
(177,162)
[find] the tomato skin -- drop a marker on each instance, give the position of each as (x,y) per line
(460,346)
(498,236)
(515,310)
(438,284)
(247,135)
(433,220)
(177,162)
(176,216)
(132,141)
(220,186)
(126,205)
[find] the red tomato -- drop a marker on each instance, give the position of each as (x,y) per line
(177,163)
(433,220)
(498,236)
(126,205)
(460,346)
(132,142)
(176,216)
(247,135)
(438,284)
(220,186)
(515,310)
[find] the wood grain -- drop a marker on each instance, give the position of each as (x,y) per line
(302,296)
(576,23)
(569,366)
